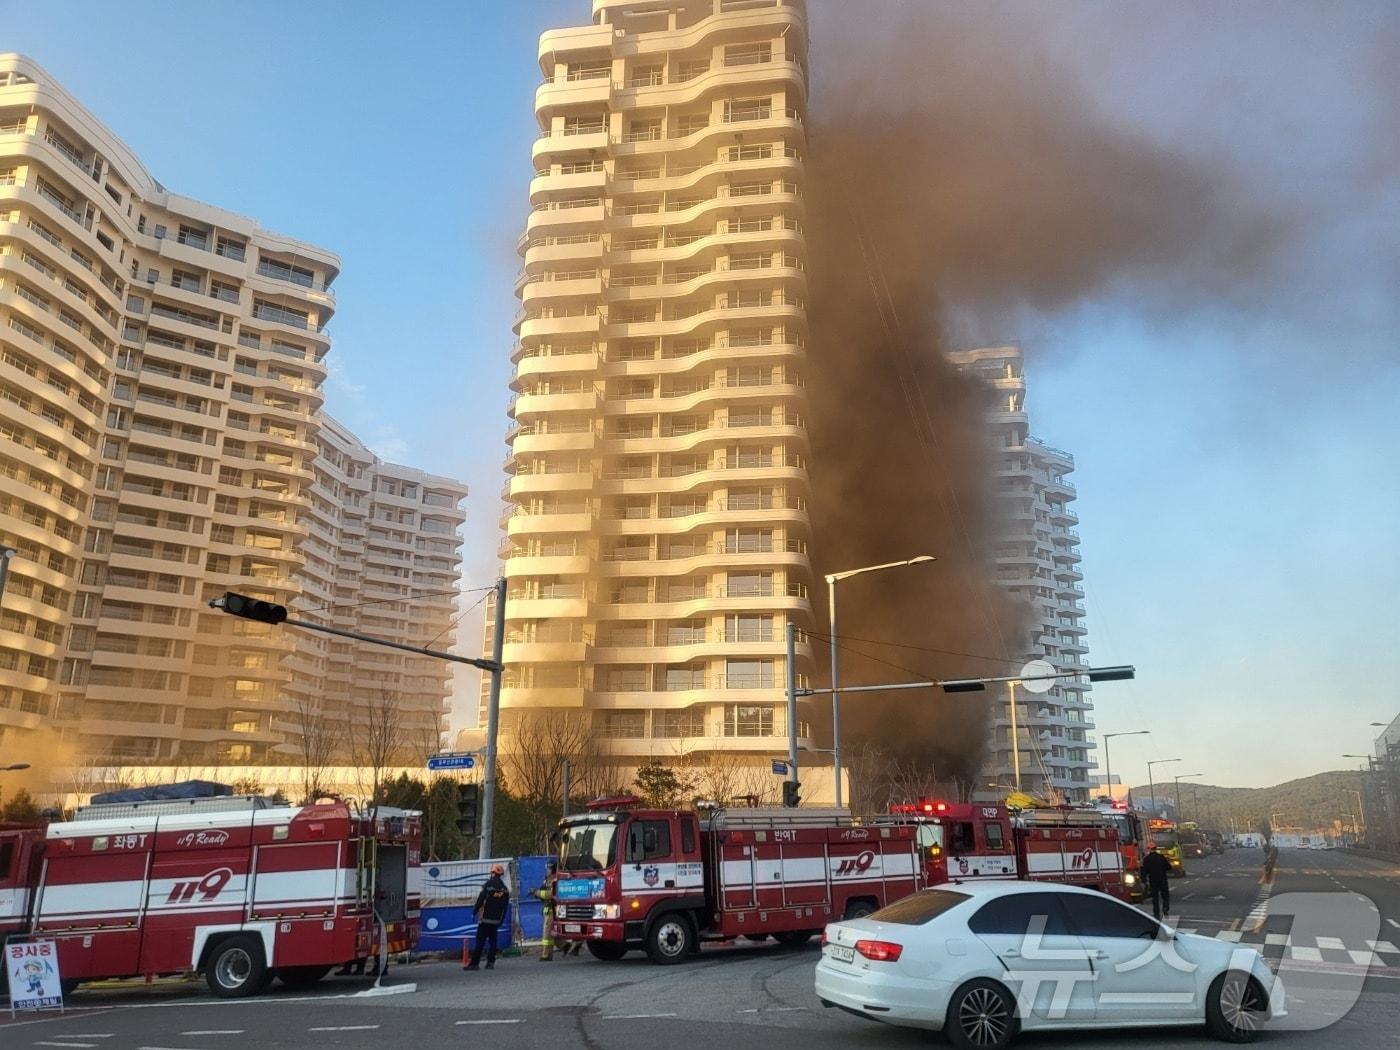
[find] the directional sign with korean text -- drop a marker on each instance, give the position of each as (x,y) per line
(441,762)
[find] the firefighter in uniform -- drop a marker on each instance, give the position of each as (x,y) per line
(546,897)
(1156,872)
(490,911)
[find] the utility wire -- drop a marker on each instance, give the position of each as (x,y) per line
(869,656)
(930,649)
(401,598)
(456,619)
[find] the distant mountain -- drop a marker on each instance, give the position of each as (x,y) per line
(1307,803)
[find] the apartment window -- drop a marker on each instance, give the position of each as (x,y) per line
(748,719)
(192,237)
(159,231)
(673,724)
(748,54)
(184,279)
(221,290)
(283,271)
(749,584)
(748,628)
(747,541)
(231,249)
(682,678)
(748,674)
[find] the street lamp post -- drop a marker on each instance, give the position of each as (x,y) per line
(1151,784)
(1178,780)
(1108,762)
(832,579)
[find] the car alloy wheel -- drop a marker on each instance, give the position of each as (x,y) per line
(1241,1004)
(984,1017)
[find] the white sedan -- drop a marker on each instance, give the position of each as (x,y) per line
(982,961)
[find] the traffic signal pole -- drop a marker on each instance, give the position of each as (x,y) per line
(270,613)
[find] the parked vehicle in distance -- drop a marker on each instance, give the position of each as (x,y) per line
(1162,838)
(982,962)
(1215,841)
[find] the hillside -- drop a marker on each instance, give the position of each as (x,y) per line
(1308,802)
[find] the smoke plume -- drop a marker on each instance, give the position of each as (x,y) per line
(956,171)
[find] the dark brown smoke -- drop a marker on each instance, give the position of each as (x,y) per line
(955,170)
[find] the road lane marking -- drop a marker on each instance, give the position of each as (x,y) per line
(1382,946)
(1277,938)
(495,1020)
(1335,943)
(1362,958)
(1306,954)
(1229,935)
(88,1035)
(345,1028)
(215,1031)
(1393,923)
(634,1017)
(44,1043)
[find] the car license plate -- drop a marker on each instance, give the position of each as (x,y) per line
(841,953)
(573,927)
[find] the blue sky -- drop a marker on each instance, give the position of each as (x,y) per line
(1238,485)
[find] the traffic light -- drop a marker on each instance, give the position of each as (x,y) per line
(468,796)
(251,608)
(791,798)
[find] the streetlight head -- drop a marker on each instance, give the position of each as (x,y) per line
(921,559)
(15,767)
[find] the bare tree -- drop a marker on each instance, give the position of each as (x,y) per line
(540,744)
(318,740)
(376,742)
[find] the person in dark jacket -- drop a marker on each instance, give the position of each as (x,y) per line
(490,910)
(1156,872)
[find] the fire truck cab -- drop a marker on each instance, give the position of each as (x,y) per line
(663,880)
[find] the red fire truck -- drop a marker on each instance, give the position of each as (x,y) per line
(1129,829)
(235,886)
(972,841)
(663,880)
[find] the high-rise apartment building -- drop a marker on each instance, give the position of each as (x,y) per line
(383,559)
(1037,562)
(657,525)
(160,371)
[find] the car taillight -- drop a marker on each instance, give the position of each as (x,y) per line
(824,940)
(880,951)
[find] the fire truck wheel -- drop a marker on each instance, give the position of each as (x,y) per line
(236,968)
(670,939)
(1236,1007)
(858,909)
(301,976)
(793,938)
(68,986)
(981,1016)
(606,951)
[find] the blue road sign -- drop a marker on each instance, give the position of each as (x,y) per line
(780,768)
(439,762)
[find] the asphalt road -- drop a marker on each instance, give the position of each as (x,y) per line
(732,991)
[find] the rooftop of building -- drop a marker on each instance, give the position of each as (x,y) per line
(53,96)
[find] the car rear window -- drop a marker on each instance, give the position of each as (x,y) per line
(919,908)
